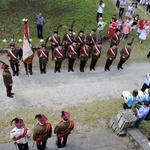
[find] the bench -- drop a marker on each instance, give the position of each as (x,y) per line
(140,140)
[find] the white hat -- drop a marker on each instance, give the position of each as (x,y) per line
(100,18)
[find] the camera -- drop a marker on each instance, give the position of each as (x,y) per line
(138,106)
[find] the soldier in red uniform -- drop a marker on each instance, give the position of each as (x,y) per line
(84,56)
(124,55)
(68,39)
(80,41)
(63,129)
(59,56)
(96,53)
(7,78)
(91,39)
(72,55)
(115,38)
(111,55)
(43,55)
(14,59)
(42,131)
(55,40)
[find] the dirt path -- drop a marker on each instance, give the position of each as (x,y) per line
(66,89)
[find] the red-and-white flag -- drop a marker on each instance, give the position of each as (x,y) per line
(28,54)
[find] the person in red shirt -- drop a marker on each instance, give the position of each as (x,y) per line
(142,22)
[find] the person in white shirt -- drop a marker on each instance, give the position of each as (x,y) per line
(100,10)
(146,83)
(20,134)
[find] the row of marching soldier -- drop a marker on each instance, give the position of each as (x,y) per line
(42,131)
(71,49)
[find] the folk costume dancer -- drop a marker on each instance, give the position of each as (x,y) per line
(14,59)
(111,55)
(68,39)
(72,54)
(43,55)
(58,57)
(20,134)
(84,56)
(124,55)
(80,41)
(115,38)
(42,131)
(28,66)
(91,39)
(55,40)
(7,79)
(96,53)
(63,129)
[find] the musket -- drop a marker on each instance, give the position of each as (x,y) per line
(132,41)
(84,27)
(72,25)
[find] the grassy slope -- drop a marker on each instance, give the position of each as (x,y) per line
(64,12)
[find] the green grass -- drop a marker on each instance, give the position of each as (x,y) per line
(86,116)
(55,13)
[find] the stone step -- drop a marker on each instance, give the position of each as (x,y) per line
(97,139)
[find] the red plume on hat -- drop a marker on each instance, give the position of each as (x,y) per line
(65,115)
(41,118)
(4,66)
(18,123)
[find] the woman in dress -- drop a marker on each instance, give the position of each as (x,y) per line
(112,28)
(144,32)
(129,12)
(126,29)
(135,22)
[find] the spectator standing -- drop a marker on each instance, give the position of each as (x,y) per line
(129,12)
(141,24)
(135,22)
(101,25)
(145,32)
(100,10)
(126,29)
(146,83)
(134,4)
(112,29)
(148,8)
(40,21)
(119,24)
(122,7)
